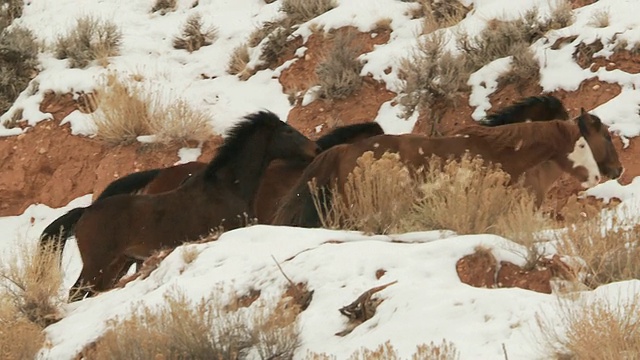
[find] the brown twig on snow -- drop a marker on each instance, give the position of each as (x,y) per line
(362,309)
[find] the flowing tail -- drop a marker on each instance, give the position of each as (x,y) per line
(57,233)
(298,207)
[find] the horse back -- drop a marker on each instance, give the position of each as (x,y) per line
(174,176)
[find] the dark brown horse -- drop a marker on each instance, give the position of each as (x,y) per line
(115,232)
(532,108)
(540,178)
(517,147)
(279,177)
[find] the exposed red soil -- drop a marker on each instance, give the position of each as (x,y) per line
(622,60)
(481,269)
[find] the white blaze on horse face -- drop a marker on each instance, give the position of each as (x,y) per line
(582,156)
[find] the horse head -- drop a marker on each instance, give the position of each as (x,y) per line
(288,143)
(597,135)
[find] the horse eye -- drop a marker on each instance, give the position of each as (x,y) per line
(581,146)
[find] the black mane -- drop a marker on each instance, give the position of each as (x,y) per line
(343,134)
(512,114)
(237,137)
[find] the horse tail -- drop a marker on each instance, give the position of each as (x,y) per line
(302,206)
(129,184)
(61,229)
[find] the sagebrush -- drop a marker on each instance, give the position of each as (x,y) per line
(90,39)
(195,35)
(444,350)
(339,72)
(300,11)
(181,329)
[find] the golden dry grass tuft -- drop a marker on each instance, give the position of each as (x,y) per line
(238,62)
(128,109)
(91,39)
(432,351)
(595,329)
(600,18)
(608,249)
(205,330)
(30,300)
(467,196)
(339,72)
(195,35)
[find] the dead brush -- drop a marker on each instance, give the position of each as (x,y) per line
(239,61)
(431,75)
(91,39)
(339,72)
(18,64)
(19,337)
(204,330)
(595,329)
(608,249)
(377,195)
(275,45)
(164,6)
(9,11)
(441,14)
(301,11)
(195,35)
(31,282)
(443,351)
(524,68)
(179,122)
(471,197)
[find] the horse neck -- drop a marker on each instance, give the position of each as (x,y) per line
(551,141)
(243,174)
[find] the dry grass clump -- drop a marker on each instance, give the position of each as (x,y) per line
(239,60)
(275,44)
(377,195)
(444,351)
(431,76)
(339,73)
(301,11)
(91,39)
(600,18)
(9,11)
(441,14)
(595,329)
(525,68)
(18,62)
(29,300)
(128,109)
(383,196)
(608,250)
(164,6)
(195,35)
(183,330)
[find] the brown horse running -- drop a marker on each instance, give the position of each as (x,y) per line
(279,177)
(517,147)
(115,232)
(540,178)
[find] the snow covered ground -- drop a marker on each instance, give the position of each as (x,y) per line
(428,303)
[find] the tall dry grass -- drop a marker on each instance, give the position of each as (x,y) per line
(467,196)
(195,34)
(181,329)
(598,329)
(443,351)
(91,39)
(606,249)
(128,109)
(30,300)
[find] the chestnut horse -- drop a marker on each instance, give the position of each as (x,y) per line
(279,177)
(540,178)
(115,232)
(517,147)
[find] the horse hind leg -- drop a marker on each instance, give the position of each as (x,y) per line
(95,279)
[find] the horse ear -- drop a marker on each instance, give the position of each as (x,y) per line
(582,125)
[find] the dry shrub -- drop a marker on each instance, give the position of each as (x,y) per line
(238,62)
(443,351)
(91,39)
(608,250)
(597,329)
(431,76)
(164,6)
(301,11)
(18,62)
(600,18)
(525,68)
(19,337)
(383,196)
(471,197)
(9,11)
(128,109)
(441,14)
(194,35)
(377,195)
(183,330)
(339,73)
(275,44)
(31,282)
